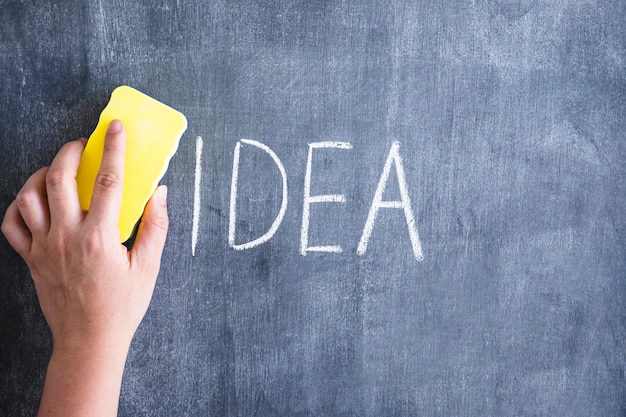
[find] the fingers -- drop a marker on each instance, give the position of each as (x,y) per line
(107,193)
(148,247)
(16,232)
(61,185)
(32,203)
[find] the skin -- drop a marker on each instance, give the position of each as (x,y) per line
(92,291)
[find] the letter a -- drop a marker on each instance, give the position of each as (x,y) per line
(404,203)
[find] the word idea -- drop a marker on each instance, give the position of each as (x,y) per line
(393,162)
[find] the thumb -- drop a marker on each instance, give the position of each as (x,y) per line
(148,246)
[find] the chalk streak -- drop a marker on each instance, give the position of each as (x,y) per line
(196,196)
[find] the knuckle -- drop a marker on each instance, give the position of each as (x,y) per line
(62,245)
(55,177)
(94,242)
(53,249)
(26,198)
(7,228)
(160,222)
(108,180)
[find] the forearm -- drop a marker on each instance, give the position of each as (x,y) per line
(83,383)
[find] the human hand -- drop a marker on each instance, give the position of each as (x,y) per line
(93,291)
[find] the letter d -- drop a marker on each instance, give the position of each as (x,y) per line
(232,223)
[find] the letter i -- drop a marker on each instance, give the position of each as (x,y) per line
(196,196)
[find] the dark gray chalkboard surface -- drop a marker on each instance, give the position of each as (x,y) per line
(429,217)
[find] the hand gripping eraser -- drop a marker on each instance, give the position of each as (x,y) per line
(153,131)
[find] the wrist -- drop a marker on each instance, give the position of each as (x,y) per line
(80,338)
(106,349)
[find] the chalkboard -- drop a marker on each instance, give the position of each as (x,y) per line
(380,208)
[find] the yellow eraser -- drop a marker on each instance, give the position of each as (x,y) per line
(153,131)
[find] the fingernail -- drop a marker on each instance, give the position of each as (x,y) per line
(115,126)
(161,195)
